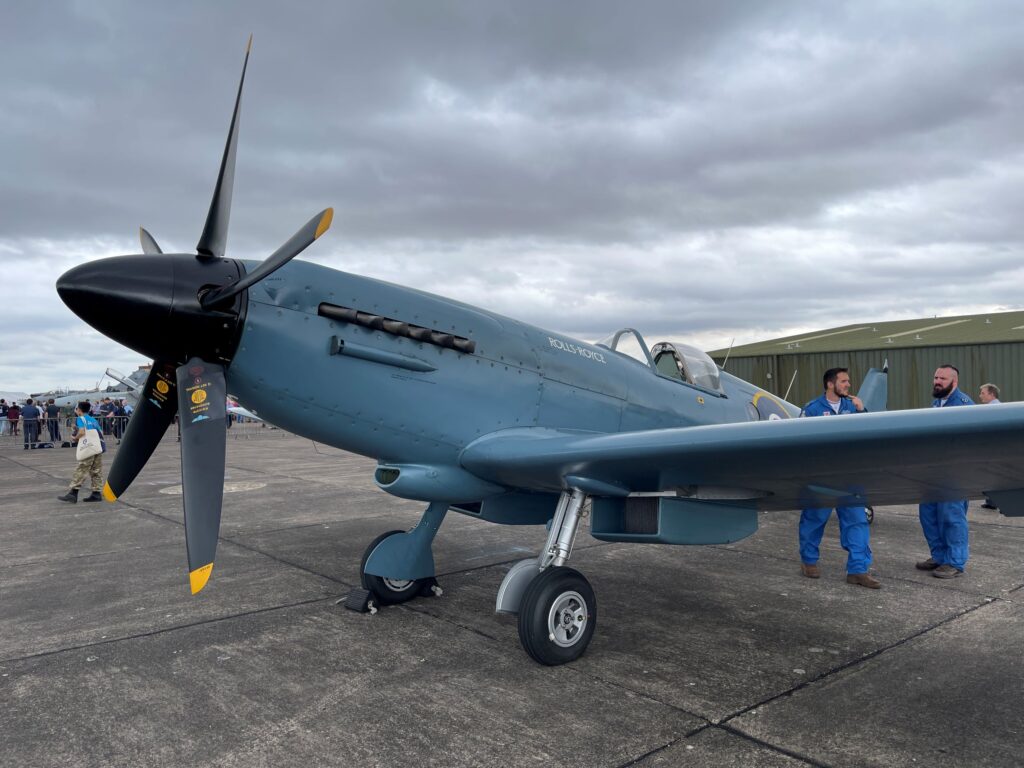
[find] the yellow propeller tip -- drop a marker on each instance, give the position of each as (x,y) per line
(108,494)
(197,579)
(325,223)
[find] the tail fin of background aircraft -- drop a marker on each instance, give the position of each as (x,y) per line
(874,390)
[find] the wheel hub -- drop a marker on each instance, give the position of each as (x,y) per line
(567,619)
(398,585)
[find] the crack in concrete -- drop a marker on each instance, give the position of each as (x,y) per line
(853,662)
(153,633)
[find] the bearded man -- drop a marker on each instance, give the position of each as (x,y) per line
(945,523)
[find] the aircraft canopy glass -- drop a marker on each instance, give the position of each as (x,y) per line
(685,363)
(681,362)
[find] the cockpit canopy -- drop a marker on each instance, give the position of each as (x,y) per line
(672,360)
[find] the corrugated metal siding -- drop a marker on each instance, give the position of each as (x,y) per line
(920,333)
(910,371)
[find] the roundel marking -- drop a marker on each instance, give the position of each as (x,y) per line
(199,396)
(768,408)
(162,388)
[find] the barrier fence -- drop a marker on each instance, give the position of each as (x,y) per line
(56,433)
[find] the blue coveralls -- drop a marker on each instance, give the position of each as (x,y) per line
(945,523)
(853,521)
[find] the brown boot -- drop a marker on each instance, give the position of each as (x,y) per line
(947,572)
(863,580)
(927,565)
(810,570)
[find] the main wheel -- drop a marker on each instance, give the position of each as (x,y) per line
(388,591)
(557,616)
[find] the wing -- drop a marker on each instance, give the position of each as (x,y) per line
(901,457)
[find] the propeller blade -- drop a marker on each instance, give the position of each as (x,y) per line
(147,425)
(215,233)
(148,243)
(295,245)
(202,395)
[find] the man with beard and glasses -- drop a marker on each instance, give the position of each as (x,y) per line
(854,533)
(945,523)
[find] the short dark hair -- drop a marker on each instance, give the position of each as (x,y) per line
(831,375)
(29,401)
(950,365)
(84,406)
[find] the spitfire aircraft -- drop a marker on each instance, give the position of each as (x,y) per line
(504,422)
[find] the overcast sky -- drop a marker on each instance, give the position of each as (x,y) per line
(697,170)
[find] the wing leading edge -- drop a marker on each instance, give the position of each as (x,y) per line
(899,457)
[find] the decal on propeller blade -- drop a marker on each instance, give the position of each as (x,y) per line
(200,402)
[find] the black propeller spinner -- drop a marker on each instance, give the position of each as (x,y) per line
(186,311)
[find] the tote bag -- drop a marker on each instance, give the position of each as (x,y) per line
(89,445)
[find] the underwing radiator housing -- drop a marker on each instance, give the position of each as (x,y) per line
(671,520)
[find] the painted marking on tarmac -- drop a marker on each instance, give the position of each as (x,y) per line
(230,487)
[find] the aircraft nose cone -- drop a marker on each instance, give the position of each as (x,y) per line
(127,298)
(150,303)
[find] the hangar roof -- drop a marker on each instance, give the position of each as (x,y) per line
(996,327)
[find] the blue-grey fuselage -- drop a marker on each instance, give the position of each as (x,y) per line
(517,376)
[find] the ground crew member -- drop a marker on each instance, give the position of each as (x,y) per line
(853,521)
(945,523)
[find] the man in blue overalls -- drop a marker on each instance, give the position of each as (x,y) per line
(853,521)
(945,523)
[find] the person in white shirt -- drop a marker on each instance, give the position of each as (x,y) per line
(988,394)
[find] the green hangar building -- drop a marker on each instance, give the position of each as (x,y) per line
(986,348)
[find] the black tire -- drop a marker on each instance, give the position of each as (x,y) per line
(870,512)
(387,591)
(557,616)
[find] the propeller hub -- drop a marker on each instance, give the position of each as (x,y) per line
(150,303)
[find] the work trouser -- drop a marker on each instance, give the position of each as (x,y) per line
(54,425)
(91,467)
(945,528)
(31,432)
(854,535)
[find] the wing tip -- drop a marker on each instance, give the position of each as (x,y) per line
(198,578)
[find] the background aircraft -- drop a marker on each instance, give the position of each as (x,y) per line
(499,420)
(129,390)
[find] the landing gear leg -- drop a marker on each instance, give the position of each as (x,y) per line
(556,605)
(398,566)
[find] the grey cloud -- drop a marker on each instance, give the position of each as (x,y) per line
(680,166)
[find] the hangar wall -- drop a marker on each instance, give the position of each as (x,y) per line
(910,371)
(912,359)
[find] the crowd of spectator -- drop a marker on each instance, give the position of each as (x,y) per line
(44,424)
